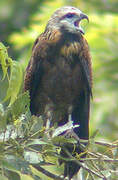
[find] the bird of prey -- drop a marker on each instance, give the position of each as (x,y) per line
(59,75)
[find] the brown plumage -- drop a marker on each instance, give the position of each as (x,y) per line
(59,76)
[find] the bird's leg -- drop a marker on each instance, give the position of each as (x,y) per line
(48,120)
(70,132)
(70,118)
(48,116)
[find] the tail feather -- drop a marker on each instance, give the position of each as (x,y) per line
(80,116)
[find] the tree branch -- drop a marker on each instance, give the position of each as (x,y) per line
(111,145)
(83,165)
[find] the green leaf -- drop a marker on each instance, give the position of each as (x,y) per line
(15,82)
(21,105)
(28,177)
(37,124)
(5,61)
(12,175)
(2,118)
(33,157)
(2,177)
(17,169)
(15,164)
(37,142)
(1,110)
(18,108)
(62,139)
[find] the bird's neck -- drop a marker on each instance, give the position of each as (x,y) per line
(56,35)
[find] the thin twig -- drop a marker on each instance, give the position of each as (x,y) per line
(93,154)
(100,158)
(111,145)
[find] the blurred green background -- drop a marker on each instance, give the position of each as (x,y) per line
(22,21)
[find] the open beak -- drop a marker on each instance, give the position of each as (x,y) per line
(84,16)
(77,23)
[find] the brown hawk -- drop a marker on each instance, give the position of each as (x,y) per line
(59,74)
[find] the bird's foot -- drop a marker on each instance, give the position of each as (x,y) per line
(64,128)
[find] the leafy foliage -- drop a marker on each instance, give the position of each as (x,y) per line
(16,75)
(5,61)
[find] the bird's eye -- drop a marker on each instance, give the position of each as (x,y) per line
(69,15)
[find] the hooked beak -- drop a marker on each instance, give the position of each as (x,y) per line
(77,23)
(84,16)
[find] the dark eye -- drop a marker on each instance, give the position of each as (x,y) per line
(69,15)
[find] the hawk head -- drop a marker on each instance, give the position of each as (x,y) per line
(67,19)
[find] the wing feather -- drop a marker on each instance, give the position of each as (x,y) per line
(34,73)
(86,73)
